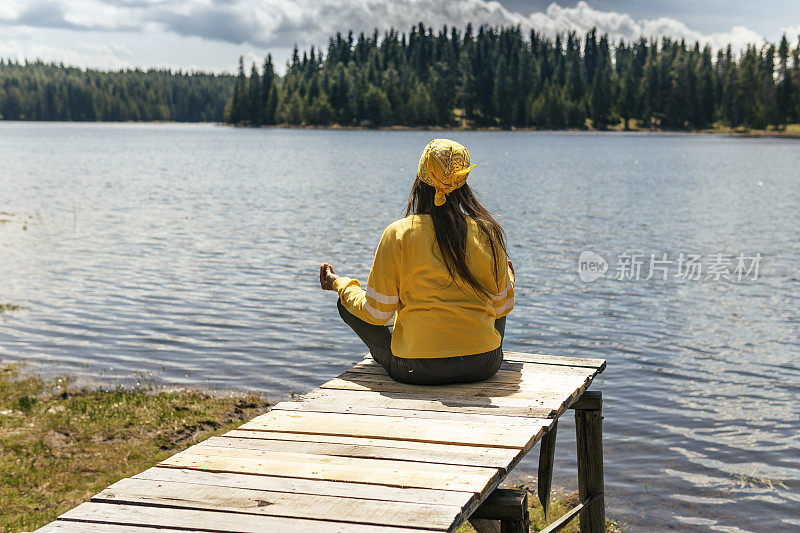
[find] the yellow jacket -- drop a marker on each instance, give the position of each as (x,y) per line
(436,317)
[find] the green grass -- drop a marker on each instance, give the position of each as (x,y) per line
(61,445)
(559,506)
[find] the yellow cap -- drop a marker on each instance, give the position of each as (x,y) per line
(444,165)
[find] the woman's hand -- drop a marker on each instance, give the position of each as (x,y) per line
(511,267)
(327,276)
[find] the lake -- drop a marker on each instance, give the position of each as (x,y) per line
(187,255)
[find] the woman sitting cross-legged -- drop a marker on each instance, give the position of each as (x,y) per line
(444,270)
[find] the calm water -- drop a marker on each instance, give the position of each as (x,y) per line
(188,255)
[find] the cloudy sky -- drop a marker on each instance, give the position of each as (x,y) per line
(211,34)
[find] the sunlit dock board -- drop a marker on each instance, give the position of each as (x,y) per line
(360,453)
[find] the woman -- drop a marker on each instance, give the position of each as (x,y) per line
(444,270)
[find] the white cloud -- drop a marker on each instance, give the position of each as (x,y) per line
(282,22)
(268,23)
(278,24)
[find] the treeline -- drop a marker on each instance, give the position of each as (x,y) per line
(44,91)
(502,77)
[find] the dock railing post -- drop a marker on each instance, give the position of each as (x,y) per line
(589,436)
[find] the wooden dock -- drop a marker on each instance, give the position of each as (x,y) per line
(365,453)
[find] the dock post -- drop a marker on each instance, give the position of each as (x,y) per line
(589,436)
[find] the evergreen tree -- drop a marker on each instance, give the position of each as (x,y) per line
(254,106)
(502,98)
(730,89)
(237,112)
(705,90)
(677,96)
(795,82)
(786,88)
(627,94)
(377,109)
(575,85)
(421,109)
(269,92)
(601,97)
(590,56)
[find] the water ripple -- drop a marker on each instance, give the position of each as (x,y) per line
(188,254)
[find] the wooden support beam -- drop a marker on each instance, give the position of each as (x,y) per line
(589,436)
(484,525)
(564,520)
(503,511)
(590,400)
(545,473)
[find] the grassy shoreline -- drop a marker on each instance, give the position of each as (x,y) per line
(63,444)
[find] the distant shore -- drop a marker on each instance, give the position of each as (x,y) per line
(791,131)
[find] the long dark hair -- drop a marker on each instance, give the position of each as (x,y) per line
(450,227)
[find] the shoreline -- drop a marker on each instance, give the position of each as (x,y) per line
(790,131)
(63,444)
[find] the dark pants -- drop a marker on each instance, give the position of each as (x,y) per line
(425,371)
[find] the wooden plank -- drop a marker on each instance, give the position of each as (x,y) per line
(306,486)
(542,407)
(68,526)
(530,391)
(560,360)
(515,373)
(421,447)
(598,364)
(529,378)
(535,364)
(322,406)
(399,428)
(510,372)
(332,468)
(215,521)
(334,508)
(432,453)
(513,455)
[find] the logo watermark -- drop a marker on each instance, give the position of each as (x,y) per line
(591,266)
(659,266)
